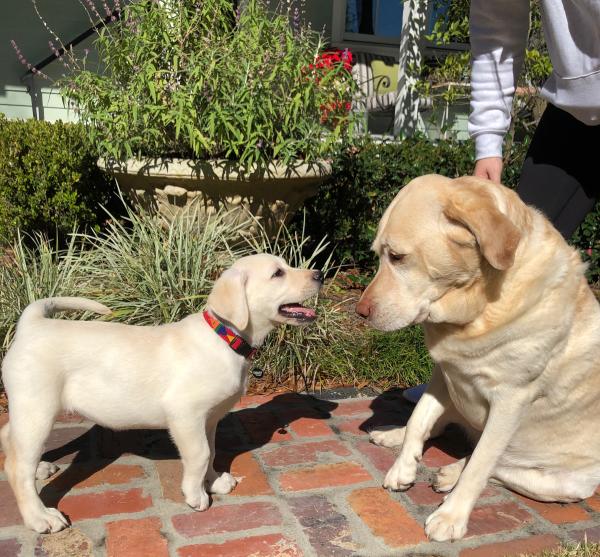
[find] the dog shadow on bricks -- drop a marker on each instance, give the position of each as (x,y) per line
(391,409)
(241,431)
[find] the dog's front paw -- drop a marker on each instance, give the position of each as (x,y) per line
(45,470)
(443,525)
(447,477)
(46,520)
(223,484)
(388,436)
(199,502)
(399,478)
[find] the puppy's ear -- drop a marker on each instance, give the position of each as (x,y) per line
(228,298)
(474,206)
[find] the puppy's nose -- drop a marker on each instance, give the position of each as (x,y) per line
(318,275)
(363,308)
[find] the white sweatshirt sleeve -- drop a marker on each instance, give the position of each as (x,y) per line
(498,30)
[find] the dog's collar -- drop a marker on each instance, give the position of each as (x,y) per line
(237,343)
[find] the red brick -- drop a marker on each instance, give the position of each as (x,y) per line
(381,457)
(386,517)
(299,453)
(354,426)
(557,513)
(9,513)
(594,502)
(252,480)
(353,407)
(423,494)
(592,535)
(310,427)
(263,426)
(95,505)
(490,519)
(534,544)
(361,426)
(433,457)
(254,400)
(80,476)
(327,530)
(273,545)
(323,476)
(136,538)
(170,473)
(9,548)
(227,518)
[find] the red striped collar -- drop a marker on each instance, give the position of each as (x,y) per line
(237,343)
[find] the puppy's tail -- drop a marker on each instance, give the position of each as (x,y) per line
(46,307)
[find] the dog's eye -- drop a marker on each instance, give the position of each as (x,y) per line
(396,257)
(278,273)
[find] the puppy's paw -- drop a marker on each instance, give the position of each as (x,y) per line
(447,477)
(199,502)
(223,484)
(388,436)
(46,520)
(443,525)
(45,470)
(399,478)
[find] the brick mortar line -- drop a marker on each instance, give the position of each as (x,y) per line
(273,474)
(538,526)
(296,530)
(420,512)
(402,498)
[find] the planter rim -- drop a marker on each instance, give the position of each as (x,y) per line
(219,169)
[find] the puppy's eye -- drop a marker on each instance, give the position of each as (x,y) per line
(278,273)
(396,257)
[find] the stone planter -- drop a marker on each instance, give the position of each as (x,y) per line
(177,186)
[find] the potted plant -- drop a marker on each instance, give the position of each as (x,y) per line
(198,102)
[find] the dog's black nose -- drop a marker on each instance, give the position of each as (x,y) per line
(318,275)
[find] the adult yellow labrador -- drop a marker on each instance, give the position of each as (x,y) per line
(514,330)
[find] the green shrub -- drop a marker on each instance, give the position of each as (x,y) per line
(587,239)
(365,179)
(367,175)
(49,181)
(202,80)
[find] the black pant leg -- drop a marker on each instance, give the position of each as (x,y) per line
(560,174)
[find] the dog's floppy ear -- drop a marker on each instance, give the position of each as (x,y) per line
(474,206)
(228,298)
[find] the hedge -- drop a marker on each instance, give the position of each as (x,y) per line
(366,177)
(49,181)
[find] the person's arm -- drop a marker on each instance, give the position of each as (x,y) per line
(498,30)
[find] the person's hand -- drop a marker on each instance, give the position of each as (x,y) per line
(489,168)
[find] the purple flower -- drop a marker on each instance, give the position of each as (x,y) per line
(92,7)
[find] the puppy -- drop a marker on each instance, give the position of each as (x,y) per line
(514,330)
(183,376)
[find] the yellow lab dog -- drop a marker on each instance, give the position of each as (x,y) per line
(514,330)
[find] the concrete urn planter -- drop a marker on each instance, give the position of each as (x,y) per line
(172,187)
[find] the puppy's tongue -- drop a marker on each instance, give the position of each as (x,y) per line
(297,310)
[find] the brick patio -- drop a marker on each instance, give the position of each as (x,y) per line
(310,486)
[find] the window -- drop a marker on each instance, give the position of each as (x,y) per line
(373,20)
(375,24)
